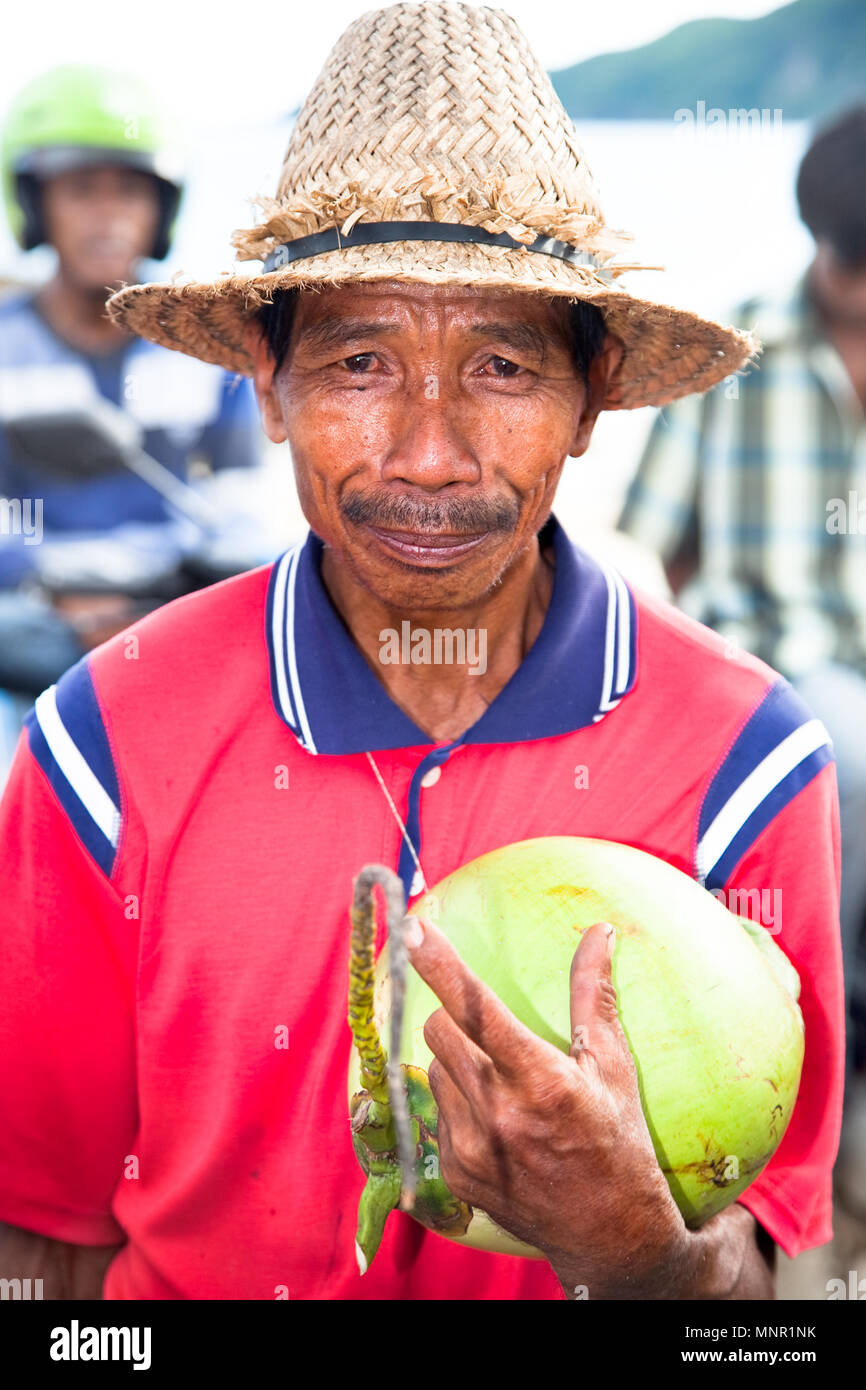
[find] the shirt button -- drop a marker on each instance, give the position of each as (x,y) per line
(432,777)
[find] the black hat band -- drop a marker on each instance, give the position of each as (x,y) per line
(379,233)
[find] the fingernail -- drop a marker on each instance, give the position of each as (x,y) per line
(414,933)
(611,937)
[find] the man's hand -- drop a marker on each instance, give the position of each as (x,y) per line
(95,618)
(68,1271)
(556,1149)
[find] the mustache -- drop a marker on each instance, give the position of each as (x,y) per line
(468,516)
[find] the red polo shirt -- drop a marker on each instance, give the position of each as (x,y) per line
(184,819)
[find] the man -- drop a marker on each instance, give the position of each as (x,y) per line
(85,171)
(753,496)
(232,762)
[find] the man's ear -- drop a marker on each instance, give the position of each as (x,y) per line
(263,381)
(600,374)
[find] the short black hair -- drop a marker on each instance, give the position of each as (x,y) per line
(586,325)
(830,186)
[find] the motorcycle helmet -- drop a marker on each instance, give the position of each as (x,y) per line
(75,116)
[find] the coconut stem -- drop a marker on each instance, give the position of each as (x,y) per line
(380,1196)
(381,1075)
(361,989)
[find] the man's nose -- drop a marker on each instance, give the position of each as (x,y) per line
(116,211)
(431,449)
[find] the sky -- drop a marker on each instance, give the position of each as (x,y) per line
(220,69)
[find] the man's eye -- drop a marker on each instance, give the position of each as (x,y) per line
(360,362)
(81,185)
(503,367)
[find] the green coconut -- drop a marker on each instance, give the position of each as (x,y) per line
(706,999)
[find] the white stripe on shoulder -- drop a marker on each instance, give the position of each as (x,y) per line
(609,642)
(756,788)
(293,656)
(77,771)
(623,634)
(278,628)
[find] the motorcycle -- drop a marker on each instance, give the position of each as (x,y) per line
(81,589)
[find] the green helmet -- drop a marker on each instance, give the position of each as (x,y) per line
(78,115)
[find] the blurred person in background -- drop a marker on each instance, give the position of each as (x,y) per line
(754,496)
(86,170)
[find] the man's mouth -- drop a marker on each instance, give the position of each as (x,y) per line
(432,549)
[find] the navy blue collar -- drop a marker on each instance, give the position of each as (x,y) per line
(581,665)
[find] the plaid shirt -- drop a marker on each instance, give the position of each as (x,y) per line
(761,480)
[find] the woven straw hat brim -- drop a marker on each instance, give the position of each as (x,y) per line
(669,352)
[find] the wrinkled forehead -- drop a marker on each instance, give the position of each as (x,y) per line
(397,300)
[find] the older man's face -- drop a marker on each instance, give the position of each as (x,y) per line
(428,427)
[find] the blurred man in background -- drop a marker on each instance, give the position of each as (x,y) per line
(754,495)
(85,171)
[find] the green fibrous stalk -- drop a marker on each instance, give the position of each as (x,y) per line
(394,1115)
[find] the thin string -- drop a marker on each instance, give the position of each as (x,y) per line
(396,814)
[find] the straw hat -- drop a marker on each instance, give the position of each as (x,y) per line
(433,148)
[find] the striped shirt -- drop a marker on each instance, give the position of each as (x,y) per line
(763,480)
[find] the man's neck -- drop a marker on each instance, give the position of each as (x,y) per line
(440,696)
(77,315)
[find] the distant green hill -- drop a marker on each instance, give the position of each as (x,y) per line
(807,59)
